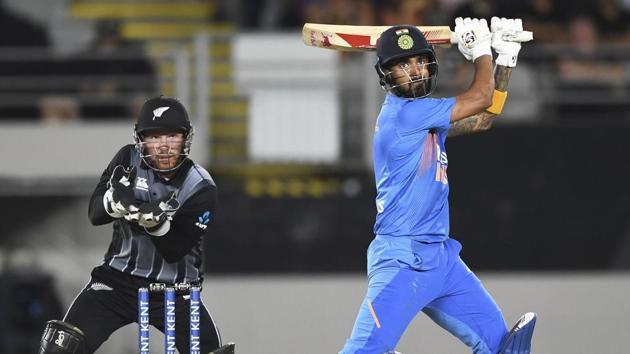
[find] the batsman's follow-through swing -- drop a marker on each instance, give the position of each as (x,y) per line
(413,263)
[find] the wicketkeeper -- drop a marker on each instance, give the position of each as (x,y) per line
(160,204)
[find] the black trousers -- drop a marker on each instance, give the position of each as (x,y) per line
(110,301)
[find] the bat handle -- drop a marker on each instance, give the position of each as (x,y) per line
(523,36)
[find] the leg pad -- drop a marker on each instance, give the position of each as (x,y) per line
(226,349)
(519,340)
(61,338)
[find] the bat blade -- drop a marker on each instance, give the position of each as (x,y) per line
(363,38)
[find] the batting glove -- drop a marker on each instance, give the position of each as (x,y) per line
(155,216)
(473,37)
(503,30)
(119,198)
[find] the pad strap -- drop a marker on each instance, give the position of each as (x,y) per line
(498,100)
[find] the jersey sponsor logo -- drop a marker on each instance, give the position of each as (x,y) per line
(442,165)
(157,113)
(141,184)
(443,158)
(380,205)
(203,220)
(100,287)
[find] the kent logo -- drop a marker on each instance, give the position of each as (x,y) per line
(203,220)
(144,345)
(170,344)
(195,326)
(169,330)
(144,327)
(170,315)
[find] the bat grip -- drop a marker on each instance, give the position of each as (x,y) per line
(523,36)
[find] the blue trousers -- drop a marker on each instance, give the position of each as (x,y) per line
(406,276)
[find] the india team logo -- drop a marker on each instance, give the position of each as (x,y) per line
(405,42)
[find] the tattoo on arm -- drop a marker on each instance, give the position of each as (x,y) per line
(473,124)
(502,77)
(482,120)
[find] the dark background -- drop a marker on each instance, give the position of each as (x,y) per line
(522,198)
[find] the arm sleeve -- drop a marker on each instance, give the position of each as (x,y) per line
(186,228)
(425,114)
(96,210)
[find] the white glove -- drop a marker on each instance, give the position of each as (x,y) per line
(473,37)
(502,30)
(155,217)
(119,199)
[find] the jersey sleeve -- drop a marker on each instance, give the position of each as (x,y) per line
(96,210)
(189,224)
(424,114)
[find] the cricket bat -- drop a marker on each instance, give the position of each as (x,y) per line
(363,38)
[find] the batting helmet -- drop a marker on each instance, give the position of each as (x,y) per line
(399,42)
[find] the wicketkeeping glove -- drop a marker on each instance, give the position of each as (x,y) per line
(155,216)
(473,37)
(502,30)
(119,198)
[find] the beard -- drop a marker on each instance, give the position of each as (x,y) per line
(411,84)
(416,88)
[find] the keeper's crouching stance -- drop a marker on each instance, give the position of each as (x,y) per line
(160,203)
(413,263)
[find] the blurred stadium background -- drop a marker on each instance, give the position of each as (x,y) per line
(540,202)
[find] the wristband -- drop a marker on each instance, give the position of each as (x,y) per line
(498,100)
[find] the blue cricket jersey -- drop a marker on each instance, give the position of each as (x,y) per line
(410,165)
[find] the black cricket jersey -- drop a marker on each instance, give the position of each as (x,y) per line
(176,256)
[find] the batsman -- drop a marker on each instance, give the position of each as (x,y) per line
(159,203)
(413,263)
